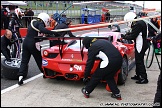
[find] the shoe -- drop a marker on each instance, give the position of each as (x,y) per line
(135,77)
(86,94)
(117,96)
(20,82)
(142,81)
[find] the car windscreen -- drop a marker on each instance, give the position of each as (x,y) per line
(92,34)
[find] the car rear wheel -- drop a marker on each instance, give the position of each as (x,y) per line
(10,70)
(122,76)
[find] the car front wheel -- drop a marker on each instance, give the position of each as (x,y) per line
(122,76)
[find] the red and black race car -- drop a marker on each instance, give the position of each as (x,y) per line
(69,60)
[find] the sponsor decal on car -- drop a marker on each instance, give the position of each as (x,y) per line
(44,62)
(78,67)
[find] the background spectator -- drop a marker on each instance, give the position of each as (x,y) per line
(26,17)
(107,15)
(8,15)
(4,14)
(52,22)
(152,32)
(30,13)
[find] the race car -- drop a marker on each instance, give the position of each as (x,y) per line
(68,60)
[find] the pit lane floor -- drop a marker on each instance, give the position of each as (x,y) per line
(40,92)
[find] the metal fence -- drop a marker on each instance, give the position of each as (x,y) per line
(116,9)
(52,7)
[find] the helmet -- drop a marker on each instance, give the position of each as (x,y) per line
(130,16)
(68,21)
(18,12)
(44,17)
(87,41)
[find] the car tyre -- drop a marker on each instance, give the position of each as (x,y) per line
(11,71)
(122,76)
(44,76)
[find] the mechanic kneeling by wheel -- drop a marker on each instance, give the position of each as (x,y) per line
(111,62)
(32,46)
(6,40)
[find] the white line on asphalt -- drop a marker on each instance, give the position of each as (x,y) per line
(25,81)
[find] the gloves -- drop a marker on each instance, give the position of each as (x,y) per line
(85,80)
(150,38)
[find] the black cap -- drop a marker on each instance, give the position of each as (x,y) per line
(87,41)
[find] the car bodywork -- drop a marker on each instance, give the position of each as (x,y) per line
(69,60)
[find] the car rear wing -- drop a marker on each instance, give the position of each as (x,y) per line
(39,38)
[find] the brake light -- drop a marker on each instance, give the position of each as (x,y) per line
(45,53)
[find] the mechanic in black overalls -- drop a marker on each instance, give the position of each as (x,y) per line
(111,62)
(63,25)
(138,33)
(157,98)
(14,26)
(31,46)
(6,40)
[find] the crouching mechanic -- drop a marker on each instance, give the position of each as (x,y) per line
(31,46)
(6,40)
(111,62)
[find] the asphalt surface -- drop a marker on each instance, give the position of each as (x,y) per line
(40,92)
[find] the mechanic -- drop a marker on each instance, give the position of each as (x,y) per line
(114,27)
(138,33)
(152,32)
(110,57)
(63,25)
(6,40)
(15,22)
(31,46)
(14,26)
(157,98)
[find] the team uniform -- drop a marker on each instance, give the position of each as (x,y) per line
(110,57)
(64,25)
(139,35)
(31,46)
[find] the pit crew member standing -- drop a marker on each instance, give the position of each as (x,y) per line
(14,26)
(139,35)
(63,25)
(110,57)
(15,23)
(157,98)
(32,46)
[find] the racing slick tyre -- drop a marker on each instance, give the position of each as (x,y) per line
(10,70)
(122,76)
